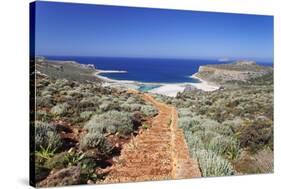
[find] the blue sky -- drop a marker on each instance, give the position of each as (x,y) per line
(90,30)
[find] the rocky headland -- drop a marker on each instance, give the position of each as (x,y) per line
(239,71)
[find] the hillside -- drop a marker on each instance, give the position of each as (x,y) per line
(66,70)
(230,130)
(80,125)
(87,133)
(239,71)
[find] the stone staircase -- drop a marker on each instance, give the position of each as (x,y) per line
(158,153)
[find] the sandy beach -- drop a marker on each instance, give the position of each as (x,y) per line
(204,85)
(164,89)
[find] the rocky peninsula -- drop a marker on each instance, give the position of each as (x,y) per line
(239,71)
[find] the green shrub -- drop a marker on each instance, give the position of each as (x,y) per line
(125,107)
(225,146)
(149,110)
(60,109)
(88,102)
(43,116)
(57,161)
(92,140)
(44,101)
(185,112)
(86,115)
(111,122)
(107,106)
(257,134)
(183,122)
(213,165)
(61,83)
(46,136)
(135,107)
(96,140)
(194,142)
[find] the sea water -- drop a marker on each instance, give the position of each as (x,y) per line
(147,70)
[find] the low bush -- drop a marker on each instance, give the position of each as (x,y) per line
(86,115)
(89,102)
(213,165)
(111,122)
(225,146)
(95,140)
(43,116)
(184,112)
(44,101)
(60,109)
(149,110)
(257,134)
(46,136)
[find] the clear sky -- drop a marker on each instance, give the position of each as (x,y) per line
(90,30)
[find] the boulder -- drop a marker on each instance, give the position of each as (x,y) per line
(63,177)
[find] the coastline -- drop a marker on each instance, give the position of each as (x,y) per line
(168,89)
(204,85)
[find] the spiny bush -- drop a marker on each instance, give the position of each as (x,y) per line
(184,112)
(135,107)
(60,109)
(60,83)
(96,140)
(86,115)
(260,162)
(46,93)
(257,134)
(131,100)
(213,165)
(46,136)
(212,125)
(225,146)
(206,135)
(125,107)
(92,140)
(149,110)
(74,92)
(194,142)
(183,122)
(89,102)
(44,101)
(111,122)
(43,116)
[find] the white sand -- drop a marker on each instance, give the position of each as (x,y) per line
(169,89)
(204,85)
(165,88)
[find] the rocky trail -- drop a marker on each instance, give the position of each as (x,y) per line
(158,153)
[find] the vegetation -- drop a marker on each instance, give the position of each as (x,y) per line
(81,123)
(227,130)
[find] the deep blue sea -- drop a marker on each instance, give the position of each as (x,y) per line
(150,70)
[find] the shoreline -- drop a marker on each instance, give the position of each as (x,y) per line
(168,89)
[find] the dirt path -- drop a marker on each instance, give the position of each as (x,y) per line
(160,152)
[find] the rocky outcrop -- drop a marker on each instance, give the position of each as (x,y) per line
(63,177)
(237,71)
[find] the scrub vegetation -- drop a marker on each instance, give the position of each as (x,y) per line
(81,125)
(227,130)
